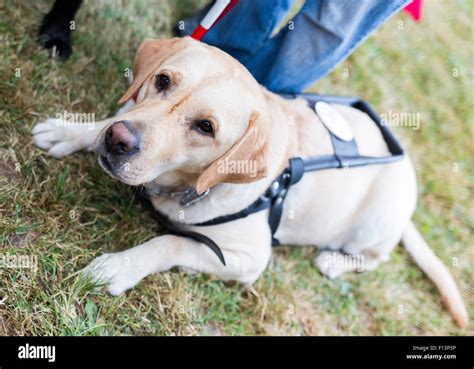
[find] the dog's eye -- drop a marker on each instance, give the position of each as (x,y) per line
(204,127)
(162,82)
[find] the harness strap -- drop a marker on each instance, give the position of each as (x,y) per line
(272,199)
(343,150)
(175,228)
(291,176)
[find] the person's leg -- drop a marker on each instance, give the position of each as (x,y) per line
(245,29)
(325,33)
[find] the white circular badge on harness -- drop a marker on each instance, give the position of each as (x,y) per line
(334,121)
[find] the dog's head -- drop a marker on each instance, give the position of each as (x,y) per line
(200,118)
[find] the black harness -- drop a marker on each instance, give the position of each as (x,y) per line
(346,155)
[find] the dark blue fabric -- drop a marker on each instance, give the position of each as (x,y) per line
(323,33)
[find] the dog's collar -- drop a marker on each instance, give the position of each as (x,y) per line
(188,195)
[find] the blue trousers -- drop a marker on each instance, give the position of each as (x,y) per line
(321,35)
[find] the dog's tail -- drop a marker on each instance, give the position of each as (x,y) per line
(437,272)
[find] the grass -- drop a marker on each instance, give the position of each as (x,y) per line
(67,212)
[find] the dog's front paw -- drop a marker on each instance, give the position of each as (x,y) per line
(56,137)
(114,271)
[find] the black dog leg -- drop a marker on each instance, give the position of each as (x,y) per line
(55,28)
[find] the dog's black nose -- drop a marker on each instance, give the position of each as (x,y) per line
(119,139)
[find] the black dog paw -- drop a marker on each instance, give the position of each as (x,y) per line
(55,31)
(55,36)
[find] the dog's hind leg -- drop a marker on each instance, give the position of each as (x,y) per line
(354,258)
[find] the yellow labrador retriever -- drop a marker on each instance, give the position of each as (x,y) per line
(196,108)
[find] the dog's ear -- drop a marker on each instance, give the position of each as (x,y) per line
(150,55)
(244,162)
